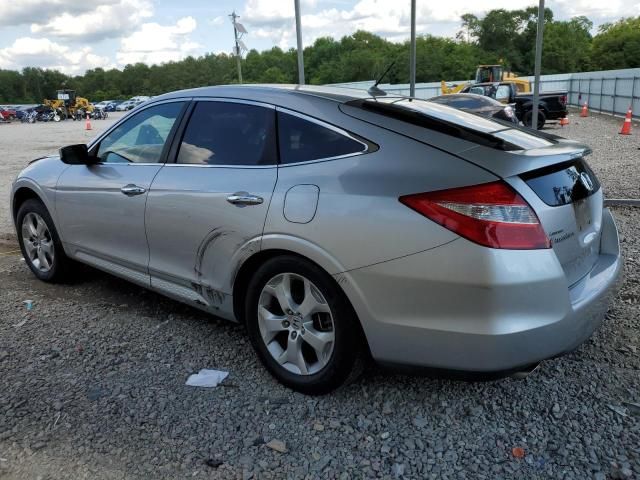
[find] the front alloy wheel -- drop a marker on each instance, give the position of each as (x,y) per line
(38,242)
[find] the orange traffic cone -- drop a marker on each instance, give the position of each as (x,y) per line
(585,111)
(564,121)
(87,125)
(626,126)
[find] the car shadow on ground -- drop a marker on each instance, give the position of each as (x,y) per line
(92,286)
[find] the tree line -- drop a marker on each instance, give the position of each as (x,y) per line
(504,36)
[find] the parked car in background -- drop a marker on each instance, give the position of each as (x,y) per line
(111,107)
(487,245)
(7,113)
(102,105)
(124,106)
(477,104)
(552,105)
(26,110)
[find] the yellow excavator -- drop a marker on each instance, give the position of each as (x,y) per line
(68,104)
(490,73)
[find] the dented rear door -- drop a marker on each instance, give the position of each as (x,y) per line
(206,211)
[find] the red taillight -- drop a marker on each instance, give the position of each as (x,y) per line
(491,214)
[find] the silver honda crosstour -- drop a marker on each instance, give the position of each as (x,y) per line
(336,226)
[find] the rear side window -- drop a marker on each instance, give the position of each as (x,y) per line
(226,133)
(303,140)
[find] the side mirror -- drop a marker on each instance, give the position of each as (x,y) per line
(76,155)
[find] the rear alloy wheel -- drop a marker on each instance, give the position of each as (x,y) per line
(300,334)
(39,242)
(302,327)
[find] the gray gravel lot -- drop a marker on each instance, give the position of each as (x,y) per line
(92,386)
(22,142)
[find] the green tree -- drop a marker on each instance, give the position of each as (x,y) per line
(567,46)
(506,36)
(617,45)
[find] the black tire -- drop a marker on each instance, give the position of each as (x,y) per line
(61,264)
(528,119)
(348,357)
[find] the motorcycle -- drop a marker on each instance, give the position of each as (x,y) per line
(29,117)
(46,115)
(100,114)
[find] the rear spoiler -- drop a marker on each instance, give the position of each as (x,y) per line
(508,164)
(505,151)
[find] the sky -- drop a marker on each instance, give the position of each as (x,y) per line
(76,35)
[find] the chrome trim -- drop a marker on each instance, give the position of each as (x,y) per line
(198,165)
(234,100)
(128,164)
(327,159)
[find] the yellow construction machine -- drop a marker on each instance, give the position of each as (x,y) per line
(68,104)
(490,73)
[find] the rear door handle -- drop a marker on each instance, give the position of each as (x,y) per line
(132,190)
(244,198)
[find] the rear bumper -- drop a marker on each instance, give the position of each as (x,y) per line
(465,307)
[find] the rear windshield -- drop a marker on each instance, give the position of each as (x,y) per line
(563,184)
(457,123)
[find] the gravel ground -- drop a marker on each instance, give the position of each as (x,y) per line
(93,387)
(22,142)
(615,158)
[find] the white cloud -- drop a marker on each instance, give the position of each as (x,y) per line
(43,53)
(217,21)
(107,19)
(274,19)
(155,43)
(18,12)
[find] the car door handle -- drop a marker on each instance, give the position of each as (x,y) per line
(132,190)
(243,198)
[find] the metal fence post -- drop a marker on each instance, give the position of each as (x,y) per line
(601,94)
(613,98)
(633,91)
(571,90)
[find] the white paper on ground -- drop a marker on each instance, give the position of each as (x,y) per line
(206,378)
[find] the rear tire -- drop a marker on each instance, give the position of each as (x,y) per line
(312,344)
(40,243)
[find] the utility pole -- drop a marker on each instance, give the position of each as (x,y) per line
(237,51)
(299,35)
(537,66)
(412,59)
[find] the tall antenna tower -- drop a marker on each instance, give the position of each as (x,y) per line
(238,32)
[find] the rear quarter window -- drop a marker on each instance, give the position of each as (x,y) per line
(305,140)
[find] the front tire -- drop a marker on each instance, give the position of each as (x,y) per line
(40,243)
(303,327)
